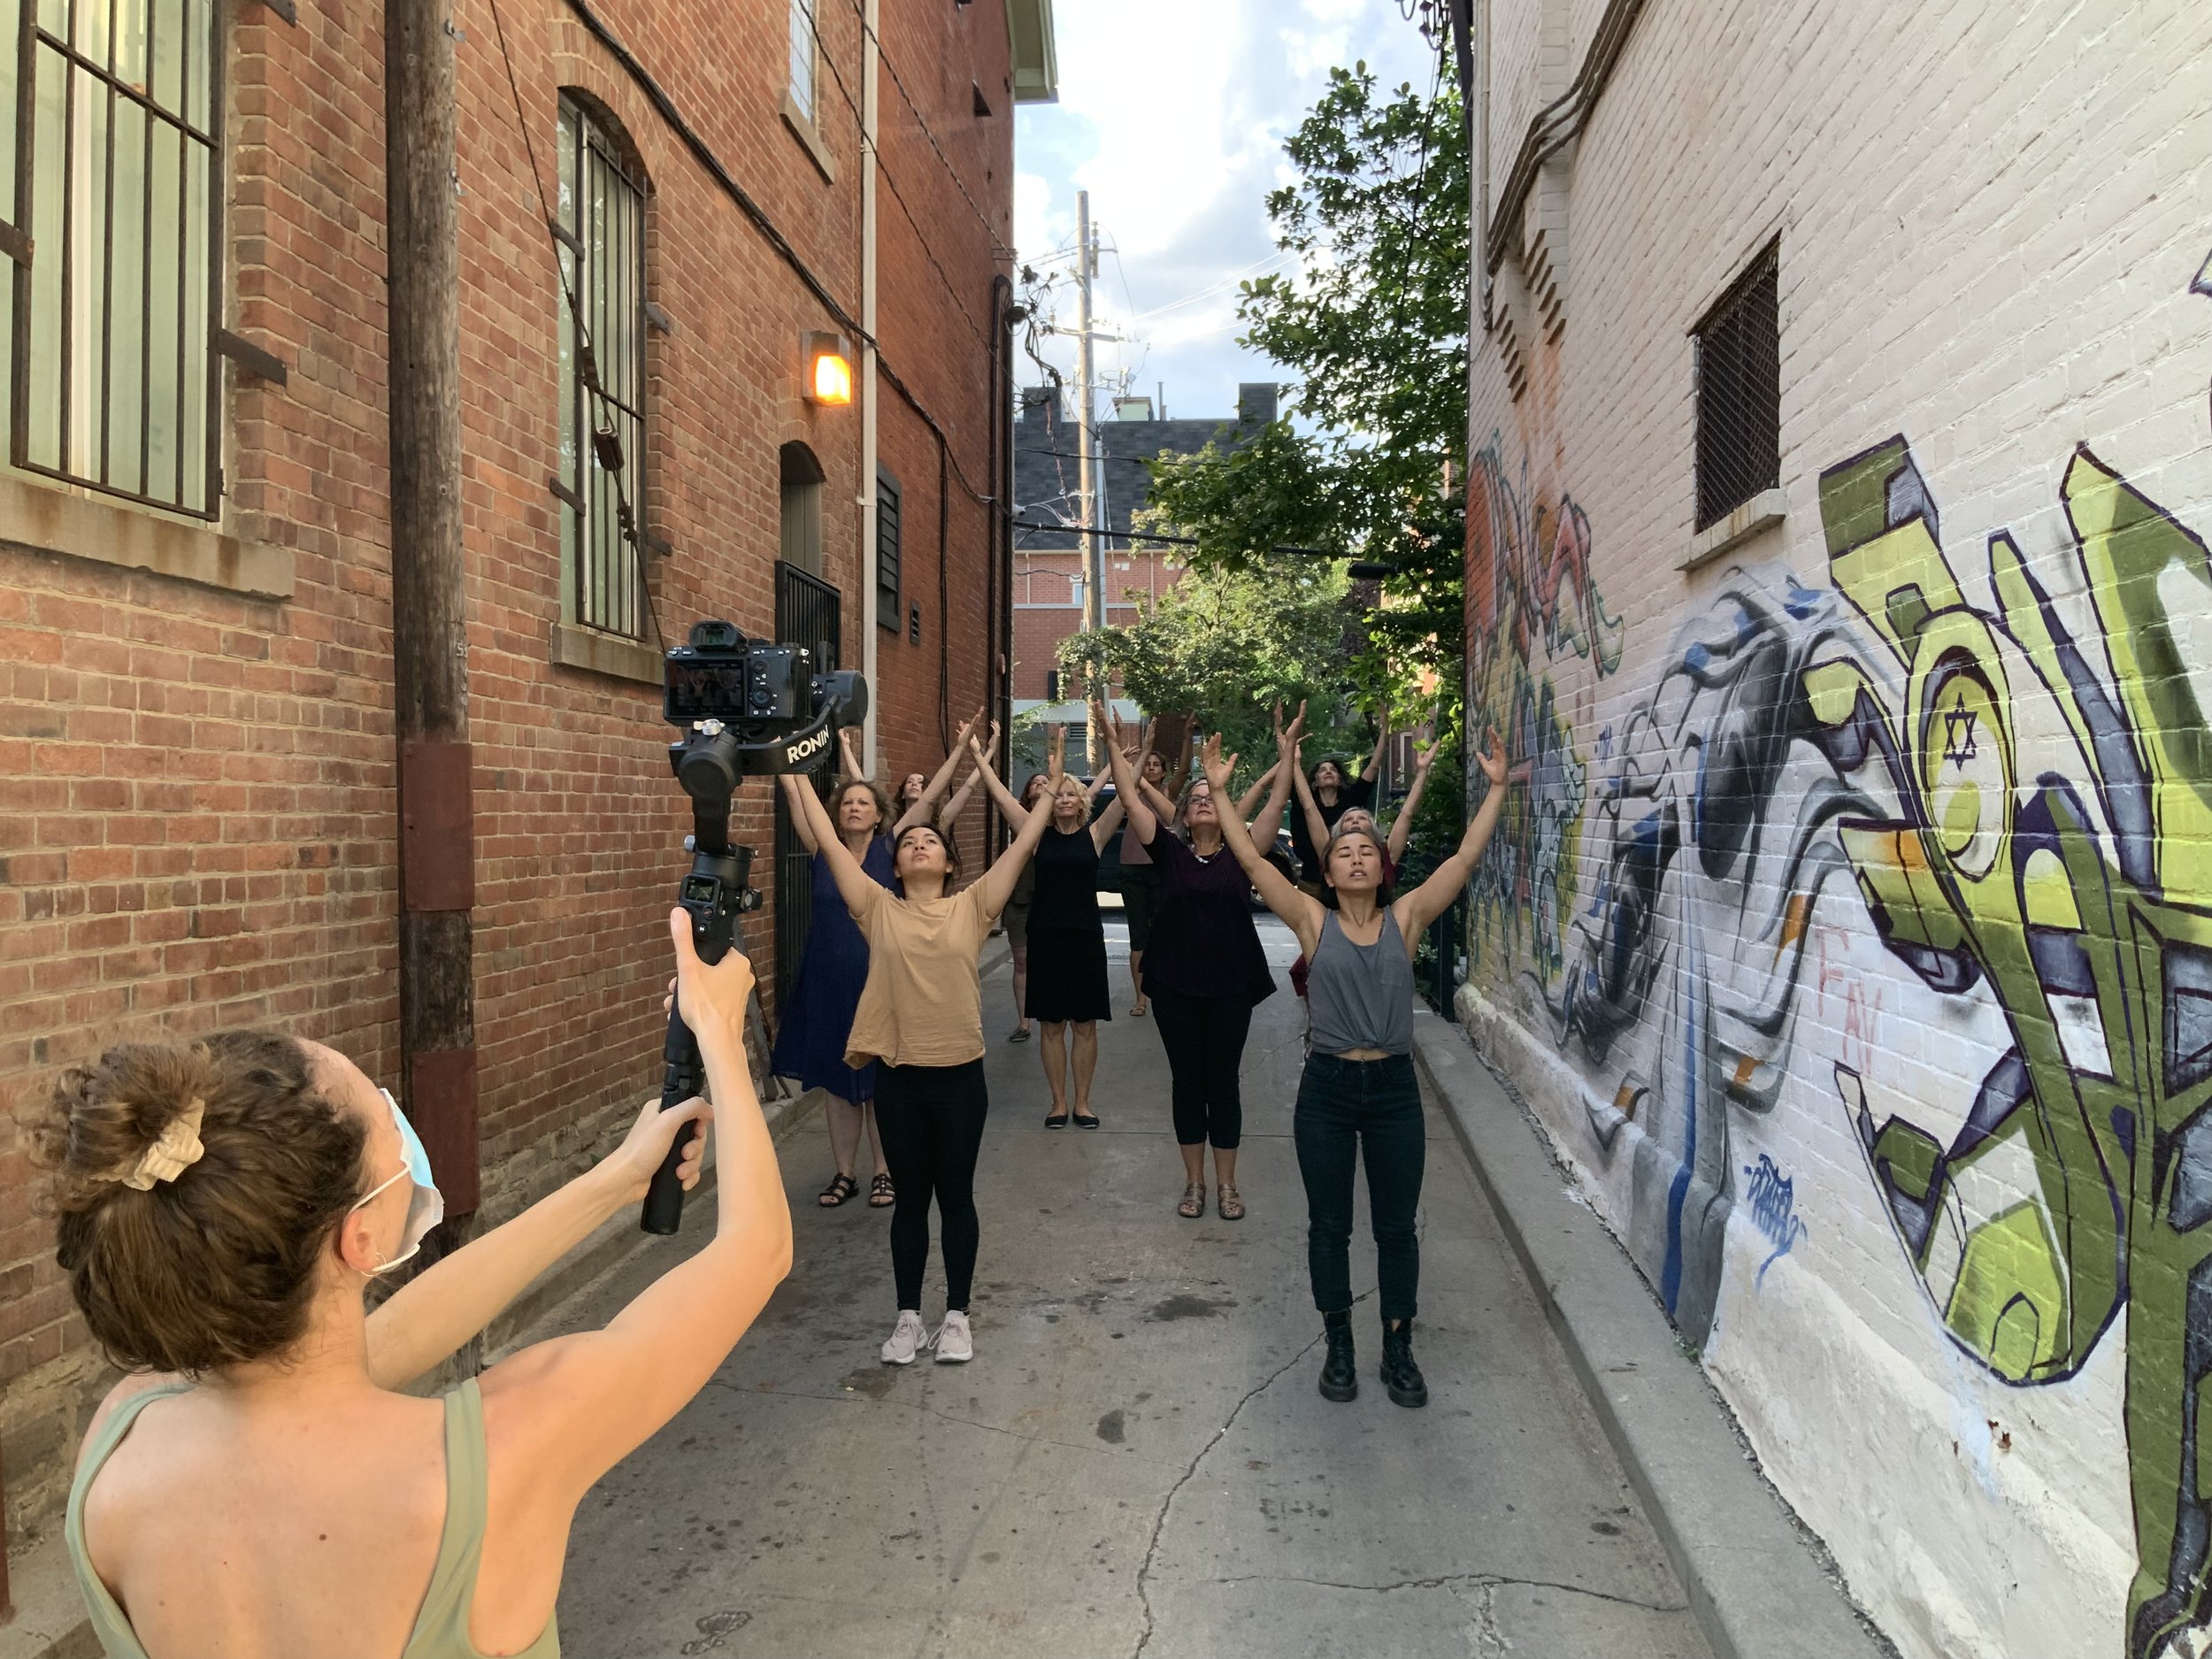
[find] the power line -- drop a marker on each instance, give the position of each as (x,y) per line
(875,154)
(1000,249)
(665,108)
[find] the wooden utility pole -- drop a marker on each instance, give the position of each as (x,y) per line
(437,998)
(1087,487)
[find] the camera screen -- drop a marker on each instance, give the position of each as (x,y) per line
(699,889)
(699,691)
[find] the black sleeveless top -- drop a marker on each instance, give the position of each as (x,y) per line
(1067,882)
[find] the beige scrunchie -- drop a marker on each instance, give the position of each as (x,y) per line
(177,1151)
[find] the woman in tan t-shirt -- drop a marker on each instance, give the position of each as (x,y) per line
(920,1019)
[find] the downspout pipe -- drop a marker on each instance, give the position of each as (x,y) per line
(869,622)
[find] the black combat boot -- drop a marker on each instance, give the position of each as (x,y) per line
(1400,1375)
(1339,1372)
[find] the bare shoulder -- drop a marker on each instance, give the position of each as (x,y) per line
(120,1396)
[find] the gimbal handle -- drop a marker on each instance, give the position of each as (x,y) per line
(715,894)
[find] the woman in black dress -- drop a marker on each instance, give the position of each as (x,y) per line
(1206,970)
(1333,793)
(1067,989)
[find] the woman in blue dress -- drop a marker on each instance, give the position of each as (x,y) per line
(817,1013)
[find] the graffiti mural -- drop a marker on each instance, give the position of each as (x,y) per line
(1531,601)
(1711,835)
(2049,833)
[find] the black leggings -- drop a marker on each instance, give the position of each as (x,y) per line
(931,1121)
(1347,1108)
(1204,1039)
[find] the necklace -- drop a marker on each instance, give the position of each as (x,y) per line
(1207,858)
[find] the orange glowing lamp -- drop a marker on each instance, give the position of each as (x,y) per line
(829,371)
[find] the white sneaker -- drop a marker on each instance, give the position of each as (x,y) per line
(954,1343)
(909,1337)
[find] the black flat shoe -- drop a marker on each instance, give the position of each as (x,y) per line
(1055,1120)
(1086,1120)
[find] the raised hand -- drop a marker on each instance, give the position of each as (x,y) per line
(1219,770)
(1055,755)
(1424,754)
(1492,759)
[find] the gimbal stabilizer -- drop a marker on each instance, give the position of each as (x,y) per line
(752,710)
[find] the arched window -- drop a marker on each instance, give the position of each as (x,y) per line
(801,508)
(602,373)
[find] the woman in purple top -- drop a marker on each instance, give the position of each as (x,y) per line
(1205,971)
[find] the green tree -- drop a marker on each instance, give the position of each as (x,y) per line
(1227,644)
(1374,324)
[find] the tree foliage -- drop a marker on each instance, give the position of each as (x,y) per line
(1374,324)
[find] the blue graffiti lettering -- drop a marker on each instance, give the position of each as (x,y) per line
(1772,1201)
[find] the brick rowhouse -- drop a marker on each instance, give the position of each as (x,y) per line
(197,740)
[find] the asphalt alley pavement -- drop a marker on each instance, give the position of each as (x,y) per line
(1137,1461)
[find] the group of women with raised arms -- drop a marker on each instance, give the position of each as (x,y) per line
(257,1485)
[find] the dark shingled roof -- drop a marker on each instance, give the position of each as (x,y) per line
(1045,468)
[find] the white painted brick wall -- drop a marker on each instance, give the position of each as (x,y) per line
(1989,219)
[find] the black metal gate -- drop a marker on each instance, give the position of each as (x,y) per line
(808,612)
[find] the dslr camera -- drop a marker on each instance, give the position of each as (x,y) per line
(747,707)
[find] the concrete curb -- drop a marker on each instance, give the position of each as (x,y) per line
(1757,1588)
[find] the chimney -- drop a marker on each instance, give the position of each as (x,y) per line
(1255,403)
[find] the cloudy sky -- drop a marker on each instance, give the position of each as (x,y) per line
(1172,115)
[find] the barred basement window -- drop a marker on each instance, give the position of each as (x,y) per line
(802,57)
(113,175)
(603,433)
(1739,393)
(887,552)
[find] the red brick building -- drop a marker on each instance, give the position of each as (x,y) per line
(196,625)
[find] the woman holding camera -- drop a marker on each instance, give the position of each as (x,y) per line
(1066,992)
(920,1020)
(1207,971)
(1358,1091)
(258,1486)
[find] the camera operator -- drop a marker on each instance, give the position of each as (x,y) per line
(920,1019)
(258,1486)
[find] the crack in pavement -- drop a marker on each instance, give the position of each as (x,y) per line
(1159,1521)
(1453,1581)
(928,1410)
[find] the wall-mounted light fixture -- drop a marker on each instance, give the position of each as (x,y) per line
(828,369)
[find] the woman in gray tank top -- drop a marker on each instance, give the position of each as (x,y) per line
(1358,1092)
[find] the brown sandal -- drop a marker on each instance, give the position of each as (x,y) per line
(1226,1203)
(1193,1204)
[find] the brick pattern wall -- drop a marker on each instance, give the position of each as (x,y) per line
(1806,1018)
(200,828)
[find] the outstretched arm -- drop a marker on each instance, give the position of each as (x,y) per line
(572,1408)
(794,784)
(853,767)
(958,804)
(1316,827)
(1382,742)
(855,885)
(1302,914)
(1261,785)
(925,810)
(1418,909)
(1016,814)
(1143,819)
(1402,826)
(1182,759)
(998,881)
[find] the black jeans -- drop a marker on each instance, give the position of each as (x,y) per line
(931,1121)
(1205,1039)
(1343,1106)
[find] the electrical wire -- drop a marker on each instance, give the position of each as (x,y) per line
(711,164)
(875,151)
(587,360)
(884,56)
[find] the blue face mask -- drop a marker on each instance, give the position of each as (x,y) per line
(426,1207)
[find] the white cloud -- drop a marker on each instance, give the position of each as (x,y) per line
(1172,115)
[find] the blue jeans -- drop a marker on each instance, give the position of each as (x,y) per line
(1343,1106)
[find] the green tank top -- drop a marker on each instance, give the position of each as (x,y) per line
(441,1629)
